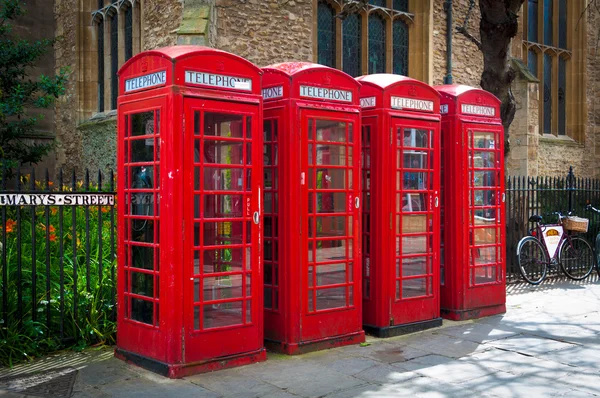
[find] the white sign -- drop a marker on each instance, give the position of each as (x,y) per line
(272,92)
(214,80)
(444,109)
(146,81)
(412,103)
(57,199)
(368,102)
(552,237)
(478,110)
(326,93)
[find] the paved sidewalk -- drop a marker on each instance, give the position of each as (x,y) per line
(546,345)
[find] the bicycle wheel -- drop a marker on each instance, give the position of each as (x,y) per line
(576,258)
(598,254)
(533,260)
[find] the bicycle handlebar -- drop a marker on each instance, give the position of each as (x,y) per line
(590,207)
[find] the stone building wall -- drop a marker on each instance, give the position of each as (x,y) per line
(467,60)
(160,22)
(265,31)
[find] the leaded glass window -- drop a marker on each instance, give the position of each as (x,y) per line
(532,62)
(352,45)
(376,44)
(532,20)
(547,94)
(562,23)
(100,44)
(548,11)
(562,93)
(378,3)
(400,47)
(401,5)
(128,33)
(326,34)
(114,58)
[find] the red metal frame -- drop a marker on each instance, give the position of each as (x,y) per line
(313,202)
(401,167)
(189,250)
(474,240)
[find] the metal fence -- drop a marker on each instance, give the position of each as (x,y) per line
(58,253)
(526,196)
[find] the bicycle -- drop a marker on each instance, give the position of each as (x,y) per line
(597,241)
(549,245)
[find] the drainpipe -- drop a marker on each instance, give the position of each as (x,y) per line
(449,29)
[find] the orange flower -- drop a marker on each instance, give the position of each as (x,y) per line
(52,229)
(10,225)
(52,238)
(53,210)
(105,209)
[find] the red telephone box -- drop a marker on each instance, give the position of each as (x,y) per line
(312,199)
(401,215)
(473,266)
(190,179)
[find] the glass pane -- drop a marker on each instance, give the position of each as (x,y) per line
(401,5)
(223,152)
(222,260)
(142,284)
(142,231)
(562,23)
(221,233)
(485,197)
(484,140)
(548,20)
(331,274)
(334,202)
(128,33)
(414,224)
(485,236)
(142,204)
(335,155)
(413,160)
(224,314)
(114,58)
(142,311)
(413,266)
(532,21)
(352,45)
(142,177)
(376,44)
(330,250)
(485,274)
(142,257)
(547,94)
(222,287)
(220,179)
(484,178)
(414,138)
(410,202)
(331,131)
(562,93)
(400,47)
(328,226)
(100,65)
(142,150)
(485,217)
(223,206)
(223,125)
(331,298)
(326,34)
(379,3)
(142,123)
(483,255)
(484,160)
(415,245)
(268,295)
(414,287)
(415,180)
(532,62)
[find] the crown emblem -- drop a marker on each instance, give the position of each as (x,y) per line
(478,99)
(412,91)
(144,64)
(327,79)
(220,66)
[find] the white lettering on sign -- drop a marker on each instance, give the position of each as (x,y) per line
(17,199)
(368,102)
(444,109)
(214,80)
(478,110)
(326,93)
(412,103)
(272,92)
(146,81)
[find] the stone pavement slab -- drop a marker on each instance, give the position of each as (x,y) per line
(546,345)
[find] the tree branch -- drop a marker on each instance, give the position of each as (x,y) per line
(462,30)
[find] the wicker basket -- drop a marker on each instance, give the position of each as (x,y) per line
(575,224)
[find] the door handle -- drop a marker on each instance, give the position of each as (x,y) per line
(256,217)
(437,201)
(503,197)
(357,202)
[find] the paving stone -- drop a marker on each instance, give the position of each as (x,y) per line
(585,357)
(384,373)
(351,366)
(502,384)
(480,332)
(423,387)
(530,345)
(582,381)
(233,384)
(179,389)
(448,370)
(448,345)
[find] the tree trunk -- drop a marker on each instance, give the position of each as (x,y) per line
(499,24)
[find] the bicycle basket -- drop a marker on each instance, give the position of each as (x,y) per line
(575,224)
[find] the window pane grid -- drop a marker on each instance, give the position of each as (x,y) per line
(326,34)
(377,38)
(352,45)
(400,47)
(366,209)
(271,241)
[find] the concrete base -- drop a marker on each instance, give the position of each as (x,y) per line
(474,313)
(315,345)
(176,371)
(397,330)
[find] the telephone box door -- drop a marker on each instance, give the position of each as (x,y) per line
(415,220)
(222,158)
(484,179)
(330,251)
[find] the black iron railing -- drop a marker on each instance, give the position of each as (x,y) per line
(58,257)
(526,196)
